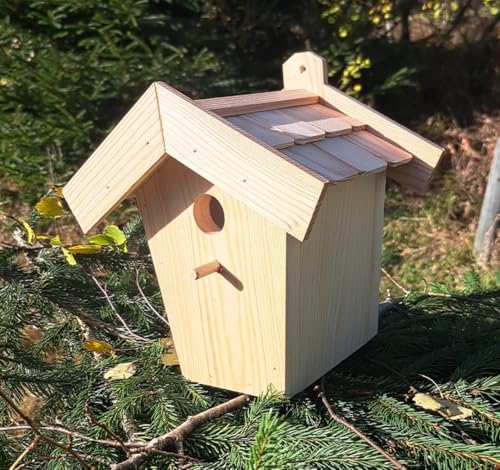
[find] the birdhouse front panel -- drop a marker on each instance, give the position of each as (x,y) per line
(229,326)
(264,216)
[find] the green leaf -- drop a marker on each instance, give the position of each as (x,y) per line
(115,234)
(101,239)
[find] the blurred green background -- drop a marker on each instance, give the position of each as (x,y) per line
(70,69)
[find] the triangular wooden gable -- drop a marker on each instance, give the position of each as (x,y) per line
(239,154)
(164,123)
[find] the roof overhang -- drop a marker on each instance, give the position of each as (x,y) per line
(166,124)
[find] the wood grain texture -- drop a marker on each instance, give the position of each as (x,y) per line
(278,120)
(326,119)
(243,104)
(302,132)
(414,176)
(413,143)
(229,327)
(308,71)
(394,156)
(363,160)
(323,163)
(119,165)
(264,179)
(332,309)
(275,139)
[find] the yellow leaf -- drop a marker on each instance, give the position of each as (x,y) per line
(69,257)
(42,237)
(58,191)
(56,241)
(121,371)
(98,346)
(29,231)
(49,207)
(452,410)
(426,401)
(170,358)
(84,249)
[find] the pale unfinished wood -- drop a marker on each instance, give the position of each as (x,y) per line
(328,112)
(394,156)
(206,269)
(332,278)
(278,120)
(302,132)
(243,104)
(308,71)
(322,162)
(275,139)
(119,165)
(332,122)
(228,328)
(252,172)
(332,126)
(352,154)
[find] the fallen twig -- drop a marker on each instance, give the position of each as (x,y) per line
(69,432)
(321,394)
(42,436)
(122,321)
(171,439)
(146,300)
(396,283)
(106,429)
(25,453)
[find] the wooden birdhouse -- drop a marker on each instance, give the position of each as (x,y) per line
(264,217)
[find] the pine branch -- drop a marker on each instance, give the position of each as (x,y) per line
(170,439)
(321,389)
(42,436)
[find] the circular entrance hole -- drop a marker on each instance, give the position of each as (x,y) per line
(208,213)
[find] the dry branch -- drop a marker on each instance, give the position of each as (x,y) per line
(321,389)
(171,439)
(42,436)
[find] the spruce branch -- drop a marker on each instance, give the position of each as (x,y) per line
(321,395)
(42,436)
(115,310)
(25,452)
(170,439)
(105,428)
(146,300)
(72,434)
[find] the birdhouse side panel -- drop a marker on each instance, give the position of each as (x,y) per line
(333,280)
(228,325)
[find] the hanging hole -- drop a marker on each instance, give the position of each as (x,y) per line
(208,213)
(302,68)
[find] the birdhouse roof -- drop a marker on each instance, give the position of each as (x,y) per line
(273,151)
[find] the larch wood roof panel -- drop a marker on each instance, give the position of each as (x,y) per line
(277,120)
(275,139)
(322,162)
(393,155)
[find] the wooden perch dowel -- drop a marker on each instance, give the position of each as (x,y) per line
(206,269)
